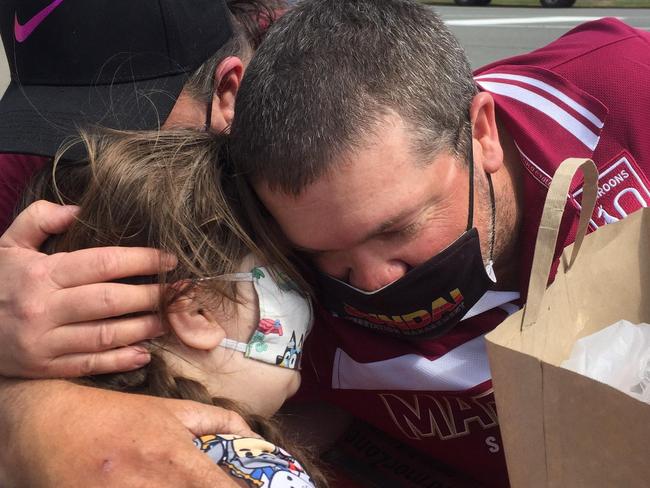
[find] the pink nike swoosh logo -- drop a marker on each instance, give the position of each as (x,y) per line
(22,32)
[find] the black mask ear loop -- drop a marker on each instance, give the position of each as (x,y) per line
(208,112)
(208,117)
(494,216)
(470,213)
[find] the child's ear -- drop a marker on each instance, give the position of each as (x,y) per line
(194,326)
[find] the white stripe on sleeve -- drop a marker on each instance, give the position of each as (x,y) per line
(582,110)
(579,130)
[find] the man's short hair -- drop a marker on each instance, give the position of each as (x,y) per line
(330,70)
(250,20)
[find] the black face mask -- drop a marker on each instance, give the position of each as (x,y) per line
(429,300)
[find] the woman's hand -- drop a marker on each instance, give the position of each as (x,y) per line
(57,312)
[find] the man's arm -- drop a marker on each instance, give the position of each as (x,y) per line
(56,434)
(57,312)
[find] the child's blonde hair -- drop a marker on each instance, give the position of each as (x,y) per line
(151,189)
(165,190)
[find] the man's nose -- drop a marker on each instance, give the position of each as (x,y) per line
(371,275)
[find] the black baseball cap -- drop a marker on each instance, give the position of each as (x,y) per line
(113,63)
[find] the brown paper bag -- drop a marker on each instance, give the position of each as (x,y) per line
(561,429)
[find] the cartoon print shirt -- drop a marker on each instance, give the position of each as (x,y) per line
(256,461)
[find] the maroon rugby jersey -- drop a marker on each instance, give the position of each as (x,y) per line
(584,95)
(15,172)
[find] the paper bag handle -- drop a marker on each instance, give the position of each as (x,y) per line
(550,227)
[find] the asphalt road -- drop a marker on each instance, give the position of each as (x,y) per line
(491,33)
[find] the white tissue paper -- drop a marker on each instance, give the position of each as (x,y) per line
(618,355)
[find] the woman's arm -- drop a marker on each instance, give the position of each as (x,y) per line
(56,434)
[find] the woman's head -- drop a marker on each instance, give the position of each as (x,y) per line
(166,190)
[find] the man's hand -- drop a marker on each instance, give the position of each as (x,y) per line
(56,312)
(58,434)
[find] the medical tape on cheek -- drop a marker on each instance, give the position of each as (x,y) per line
(229,277)
(233,344)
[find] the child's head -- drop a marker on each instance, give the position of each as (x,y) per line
(166,190)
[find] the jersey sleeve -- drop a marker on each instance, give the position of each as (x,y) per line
(15,172)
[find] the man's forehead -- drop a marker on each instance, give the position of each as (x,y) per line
(345,208)
(324,216)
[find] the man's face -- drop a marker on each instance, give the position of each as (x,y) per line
(381,212)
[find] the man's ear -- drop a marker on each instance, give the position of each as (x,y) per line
(194,326)
(488,152)
(227,80)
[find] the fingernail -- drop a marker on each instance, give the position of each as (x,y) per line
(169,261)
(141,348)
(73,209)
(142,359)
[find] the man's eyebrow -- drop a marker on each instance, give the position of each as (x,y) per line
(388,224)
(380,229)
